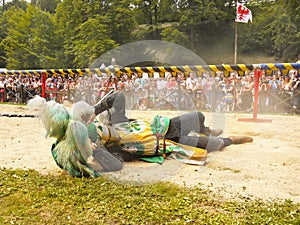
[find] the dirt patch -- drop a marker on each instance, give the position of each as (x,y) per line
(268,168)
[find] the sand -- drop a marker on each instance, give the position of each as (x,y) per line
(268,168)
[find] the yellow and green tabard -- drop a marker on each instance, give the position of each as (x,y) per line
(140,137)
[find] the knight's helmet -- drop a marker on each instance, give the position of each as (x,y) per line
(54,116)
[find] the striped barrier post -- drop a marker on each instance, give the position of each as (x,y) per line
(44,85)
(257,76)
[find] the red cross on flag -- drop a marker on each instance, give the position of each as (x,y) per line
(243,14)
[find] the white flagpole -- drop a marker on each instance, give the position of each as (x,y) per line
(243,14)
(235,43)
(235,36)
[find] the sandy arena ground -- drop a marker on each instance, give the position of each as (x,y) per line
(268,168)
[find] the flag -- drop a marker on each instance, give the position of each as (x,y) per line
(243,14)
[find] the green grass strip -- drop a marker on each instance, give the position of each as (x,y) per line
(27,197)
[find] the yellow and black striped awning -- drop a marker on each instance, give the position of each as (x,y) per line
(151,70)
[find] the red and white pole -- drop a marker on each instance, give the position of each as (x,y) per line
(257,76)
(43,84)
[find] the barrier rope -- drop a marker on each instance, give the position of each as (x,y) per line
(16,115)
(241,68)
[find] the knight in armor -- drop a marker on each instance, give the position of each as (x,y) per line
(86,146)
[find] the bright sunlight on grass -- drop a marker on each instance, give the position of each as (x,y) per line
(27,197)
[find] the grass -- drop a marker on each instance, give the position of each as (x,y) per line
(27,197)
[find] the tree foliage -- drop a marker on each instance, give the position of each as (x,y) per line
(29,42)
(74,33)
(274,31)
(91,41)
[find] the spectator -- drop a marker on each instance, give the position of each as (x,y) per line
(2,97)
(172,90)
(263,94)
(152,88)
(191,87)
(247,97)
(11,89)
(123,82)
(272,92)
(286,93)
(238,93)
(161,86)
(191,83)
(228,94)
(210,90)
(274,87)
(296,93)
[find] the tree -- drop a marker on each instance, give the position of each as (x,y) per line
(82,24)
(282,30)
(2,36)
(70,14)
(199,17)
(46,5)
(29,42)
(92,40)
(173,35)
(273,31)
(121,21)
(22,4)
(147,14)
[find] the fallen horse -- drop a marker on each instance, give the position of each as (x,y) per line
(86,146)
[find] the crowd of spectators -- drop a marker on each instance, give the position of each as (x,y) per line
(217,92)
(17,88)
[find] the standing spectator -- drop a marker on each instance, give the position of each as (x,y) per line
(122,82)
(102,88)
(247,96)
(59,85)
(19,89)
(191,83)
(11,88)
(151,93)
(228,94)
(53,87)
(200,97)
(180,79)
(111,84)
(172,90)
(263,94)
(181,90)
(89,94)
(191,87)
(296,93)
(172,83)
(37,86)
(161,86)
(129,91)
(274,89)
(238,93)
(210,90)
(2,99)
(286,94)
(142,92)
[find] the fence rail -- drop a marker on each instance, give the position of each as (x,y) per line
(279,102)
(241,68)
(162,70)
